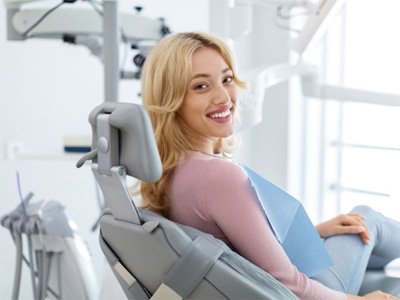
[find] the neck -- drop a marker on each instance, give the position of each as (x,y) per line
(214,149)
(217,149)
(209,154)
(204,144)
(211,149)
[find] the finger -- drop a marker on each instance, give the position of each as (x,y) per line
(361,231)
(349,220)
(353,220)
(365,238)
(357,219)
(366,232)
(356,215)
(349,229)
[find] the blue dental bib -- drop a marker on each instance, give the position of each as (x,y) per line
(291,226)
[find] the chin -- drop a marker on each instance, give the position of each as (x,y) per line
(227,134)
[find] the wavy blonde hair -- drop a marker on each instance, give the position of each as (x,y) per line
(165,78)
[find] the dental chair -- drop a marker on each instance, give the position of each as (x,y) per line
(151,256)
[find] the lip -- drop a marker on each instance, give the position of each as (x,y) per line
(220,110)
(226,119)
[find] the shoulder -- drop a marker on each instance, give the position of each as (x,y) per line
(215,169)
(226,171)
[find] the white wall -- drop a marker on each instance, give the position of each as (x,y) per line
(47,90)
(264,147)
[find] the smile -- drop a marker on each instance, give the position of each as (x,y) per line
(220,115)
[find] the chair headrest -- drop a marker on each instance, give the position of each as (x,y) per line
(138,151)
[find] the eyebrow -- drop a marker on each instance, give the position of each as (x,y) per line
(208,75)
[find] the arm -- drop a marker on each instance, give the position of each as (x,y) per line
(232,204)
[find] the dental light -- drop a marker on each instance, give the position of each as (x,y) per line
(316,24)
(101,29)
(23,22)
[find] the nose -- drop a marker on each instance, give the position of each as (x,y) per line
(222,95)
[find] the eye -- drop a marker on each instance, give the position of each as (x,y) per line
(201,86)
(228,79)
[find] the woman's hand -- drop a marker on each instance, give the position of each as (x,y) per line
(377,295)
(345,224)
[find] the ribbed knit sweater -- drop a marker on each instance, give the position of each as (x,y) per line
(215,196)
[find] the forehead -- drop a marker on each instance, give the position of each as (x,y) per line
(205,60)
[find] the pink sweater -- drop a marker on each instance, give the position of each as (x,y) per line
(215,196)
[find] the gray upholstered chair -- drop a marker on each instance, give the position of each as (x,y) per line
(151,256)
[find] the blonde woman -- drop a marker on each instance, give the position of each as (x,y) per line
(190,90)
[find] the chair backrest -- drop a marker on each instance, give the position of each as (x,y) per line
(153,257)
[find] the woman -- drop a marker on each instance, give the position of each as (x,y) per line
(190,90)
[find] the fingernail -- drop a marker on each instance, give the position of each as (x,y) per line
(361,229)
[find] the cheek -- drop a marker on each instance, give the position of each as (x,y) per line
(233,95)
(196,104)
(233,91)
(190,109)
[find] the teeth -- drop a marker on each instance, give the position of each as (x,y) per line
(221,115)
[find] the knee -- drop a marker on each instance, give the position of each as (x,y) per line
(364,210)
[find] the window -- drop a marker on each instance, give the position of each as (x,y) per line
(352,149)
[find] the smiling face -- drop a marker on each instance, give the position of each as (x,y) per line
(210,101)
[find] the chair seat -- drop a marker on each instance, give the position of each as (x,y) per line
(379,280)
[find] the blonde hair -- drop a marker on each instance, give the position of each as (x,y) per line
(165,77)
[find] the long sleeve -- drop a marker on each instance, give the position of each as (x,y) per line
(225,205)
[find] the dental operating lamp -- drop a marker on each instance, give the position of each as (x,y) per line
(101,31)
(76,21)
(316,24)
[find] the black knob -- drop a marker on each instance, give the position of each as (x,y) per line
(138,8)
(164,28)
(139,59)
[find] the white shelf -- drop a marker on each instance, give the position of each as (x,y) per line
(17,150)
